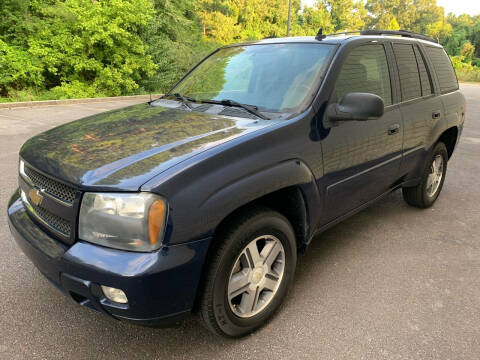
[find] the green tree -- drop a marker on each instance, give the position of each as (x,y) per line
(314,18)
(347,14)
(387,22)
(93,45)
(439,30)
(173,37)
(17,69)
(393,24)
(467,51)
(228,21)
(77,47)
(414,15)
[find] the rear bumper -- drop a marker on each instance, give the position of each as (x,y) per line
(160,286)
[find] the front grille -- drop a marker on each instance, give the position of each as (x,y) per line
(51,203)
(59,190)
(53,221)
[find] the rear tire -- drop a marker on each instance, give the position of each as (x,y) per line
(426,193)
(249,274)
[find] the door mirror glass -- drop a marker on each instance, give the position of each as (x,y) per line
(357,106)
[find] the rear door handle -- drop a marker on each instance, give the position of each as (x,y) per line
(394,129)
(436,114)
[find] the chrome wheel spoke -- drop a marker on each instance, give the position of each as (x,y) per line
(438,165)
(249,300)
(270,282)
(252,254)
(430,180)
(238,283)
(435,177)
(272,250)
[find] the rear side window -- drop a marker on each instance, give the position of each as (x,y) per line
(365,70)
(443,68)
(408,71)
(424,76)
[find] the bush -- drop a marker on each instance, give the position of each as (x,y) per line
(74,90)
(17,70)
(468,75)
(476,62)
(76,48)
(464,69)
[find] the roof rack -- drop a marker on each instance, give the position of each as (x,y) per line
(404,33)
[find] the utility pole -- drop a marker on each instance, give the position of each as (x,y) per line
(289,16)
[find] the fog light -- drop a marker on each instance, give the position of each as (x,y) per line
(115,295)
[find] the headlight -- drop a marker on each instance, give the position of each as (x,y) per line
(130,221)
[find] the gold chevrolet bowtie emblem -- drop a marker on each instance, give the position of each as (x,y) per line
(35,197)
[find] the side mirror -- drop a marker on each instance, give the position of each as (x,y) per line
(356,106)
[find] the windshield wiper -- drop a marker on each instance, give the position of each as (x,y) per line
(184,99)
(252,109)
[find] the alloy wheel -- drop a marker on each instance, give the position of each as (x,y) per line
(435,177)
(256,276)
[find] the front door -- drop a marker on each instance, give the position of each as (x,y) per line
(362,158)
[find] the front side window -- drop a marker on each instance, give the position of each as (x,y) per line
(365,70)
(273,77)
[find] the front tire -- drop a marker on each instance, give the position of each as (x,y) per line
(249,274)
(426,193)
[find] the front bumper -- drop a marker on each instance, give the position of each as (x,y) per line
(161,286)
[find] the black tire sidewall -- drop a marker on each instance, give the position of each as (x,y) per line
(266,224)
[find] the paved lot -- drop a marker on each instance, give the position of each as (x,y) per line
(392,282)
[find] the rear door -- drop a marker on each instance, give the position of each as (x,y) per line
(452,99)
(362,158)
(421,109)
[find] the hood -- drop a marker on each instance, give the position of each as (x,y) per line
(124,148)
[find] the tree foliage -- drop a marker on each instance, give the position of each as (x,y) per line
(77,48)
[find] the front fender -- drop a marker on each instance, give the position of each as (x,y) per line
(248,188)
(197,204)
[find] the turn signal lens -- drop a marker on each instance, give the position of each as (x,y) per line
(156,221)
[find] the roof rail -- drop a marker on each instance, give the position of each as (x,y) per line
(404,33)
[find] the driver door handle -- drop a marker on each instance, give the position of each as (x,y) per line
(394,129)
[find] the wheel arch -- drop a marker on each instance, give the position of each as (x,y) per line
(288,187)
(449,137)
(288,201)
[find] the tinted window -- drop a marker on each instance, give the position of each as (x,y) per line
(365,70)
(424,77)
(443,68)
(274,77)
(408,71)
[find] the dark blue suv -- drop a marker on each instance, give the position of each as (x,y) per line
(201,200)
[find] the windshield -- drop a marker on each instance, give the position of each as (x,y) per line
(272,77)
